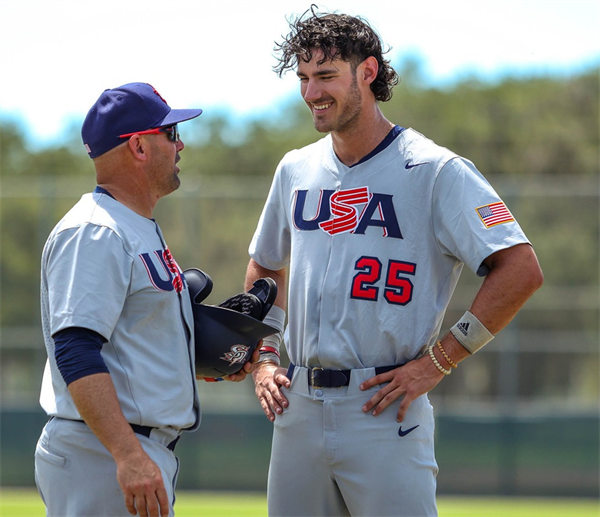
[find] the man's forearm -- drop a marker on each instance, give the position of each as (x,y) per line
(256,271)
(514,276)
(97,403)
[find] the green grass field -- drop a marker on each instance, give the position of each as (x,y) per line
(26,503)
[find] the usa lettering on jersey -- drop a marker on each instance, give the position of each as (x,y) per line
(174,279)
(343,206)
(348,211)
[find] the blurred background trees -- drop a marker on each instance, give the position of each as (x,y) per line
(521,133)
(536,139)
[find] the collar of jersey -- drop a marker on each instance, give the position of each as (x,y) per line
(389,138)
(101,190)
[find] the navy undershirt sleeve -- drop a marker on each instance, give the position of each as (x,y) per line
(77,353)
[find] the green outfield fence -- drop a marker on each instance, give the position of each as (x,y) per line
(540,456)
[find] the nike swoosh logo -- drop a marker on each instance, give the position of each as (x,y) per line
(411,165)
(404,433)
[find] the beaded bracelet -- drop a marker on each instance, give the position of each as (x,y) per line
(437,363)
(446,356)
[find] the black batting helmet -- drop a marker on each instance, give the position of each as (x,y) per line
(226,335)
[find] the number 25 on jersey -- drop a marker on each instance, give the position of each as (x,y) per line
(398,284)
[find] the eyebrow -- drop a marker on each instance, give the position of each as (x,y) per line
(318,73)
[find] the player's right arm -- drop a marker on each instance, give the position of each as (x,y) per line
(268,375)
(139,477)
(78,358)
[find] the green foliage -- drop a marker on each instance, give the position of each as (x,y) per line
(533,126)
(12,149)
(525,128)
(16,160)
(521,133)
(19,223)
(222,148)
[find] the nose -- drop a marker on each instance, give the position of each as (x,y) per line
(179,145)
(310,90)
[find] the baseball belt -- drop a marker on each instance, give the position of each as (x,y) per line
(144,430)
(325,378)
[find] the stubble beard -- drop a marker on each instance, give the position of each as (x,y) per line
(349,115)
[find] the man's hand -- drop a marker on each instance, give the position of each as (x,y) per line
(408,382)
(268,379)
(247,368)
(141,481)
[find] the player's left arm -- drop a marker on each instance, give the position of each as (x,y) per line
(514,275)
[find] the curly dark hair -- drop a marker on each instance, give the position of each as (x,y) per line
(338,36)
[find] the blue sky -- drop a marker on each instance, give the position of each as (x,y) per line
(58,55)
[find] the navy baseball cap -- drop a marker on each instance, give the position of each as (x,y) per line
(127,109)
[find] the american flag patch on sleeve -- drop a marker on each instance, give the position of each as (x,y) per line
(494,213)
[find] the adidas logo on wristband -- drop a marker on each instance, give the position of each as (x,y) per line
(463,327)
(471,333)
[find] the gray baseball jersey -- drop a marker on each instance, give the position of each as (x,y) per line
(375,250)
(374,253)
(108,269)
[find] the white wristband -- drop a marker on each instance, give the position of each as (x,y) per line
(276,318)
(471,333)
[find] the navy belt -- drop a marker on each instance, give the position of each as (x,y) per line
(144,430)
(324,378)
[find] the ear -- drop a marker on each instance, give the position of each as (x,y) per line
(368,69)
(138,147)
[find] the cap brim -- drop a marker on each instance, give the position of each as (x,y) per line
(177,116)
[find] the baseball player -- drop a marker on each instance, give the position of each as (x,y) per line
(119,384)
(371,226)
